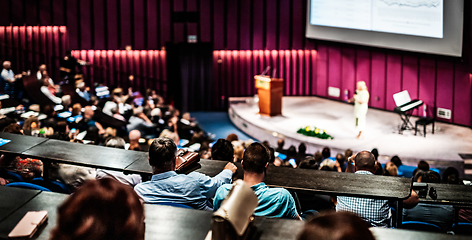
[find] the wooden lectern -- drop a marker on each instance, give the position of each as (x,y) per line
(270,91)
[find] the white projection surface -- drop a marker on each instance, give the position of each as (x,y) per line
(428,26)
(410,17)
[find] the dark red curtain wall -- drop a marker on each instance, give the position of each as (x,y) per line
(248,35)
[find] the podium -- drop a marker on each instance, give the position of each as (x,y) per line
(270,91)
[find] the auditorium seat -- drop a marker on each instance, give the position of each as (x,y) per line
(462,228)
(28,186)
(421,226)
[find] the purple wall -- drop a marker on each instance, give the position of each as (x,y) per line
(249,35)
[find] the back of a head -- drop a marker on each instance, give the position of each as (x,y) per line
(13,128)
(291,151)
(340,158)
(376,153)
(431,177)
(280,143)
(326,152)
(318,157)
(365,161)
(101,209)
(162,152)
(450,176)
(302,148)
(115,142)
(423,165)
(134,135)
(336,226)
(396,160)
(256,158)
(232,137)
(76,109)
(348,153)
(222,150)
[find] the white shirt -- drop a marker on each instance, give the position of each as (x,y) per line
(8,75)
(48,94)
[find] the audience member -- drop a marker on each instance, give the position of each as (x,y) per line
(273,202)
(326,153)
(187,127)
(10,79)
(232,137)
(375,152)
(193,189)
(31,126)
(134,137)
(440,215)
(127,179)
(280,146)
(301,153)
(391,169)
(422,165)
(336,226)
(222,150)
(309,163)
(375,211)
(396,160)
(101,210)
(450,176)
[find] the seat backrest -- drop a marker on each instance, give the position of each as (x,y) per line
(421,226)
(462,228)
(54,186)
(11,176)
(28,185)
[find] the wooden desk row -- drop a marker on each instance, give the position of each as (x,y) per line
(166,222)
(323,182)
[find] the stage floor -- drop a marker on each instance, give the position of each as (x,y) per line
(441,148)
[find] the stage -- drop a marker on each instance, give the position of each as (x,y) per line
(440,149)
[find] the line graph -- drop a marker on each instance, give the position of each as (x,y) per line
(413,3)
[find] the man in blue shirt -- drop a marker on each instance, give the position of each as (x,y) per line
(166,186)
(273,202)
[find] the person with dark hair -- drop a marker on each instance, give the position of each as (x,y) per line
(100,209)
(326,152)
(440,215)
(194,189)
(374,211)
(336,226)
(309,163)
(70,67)
(13,128)
(232,137)
(397,161)
(422,165)
(222,150)
(273,202)
(450,176)
(375,151)
(280,146)
(301,153)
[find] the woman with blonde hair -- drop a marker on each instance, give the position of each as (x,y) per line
(361,100)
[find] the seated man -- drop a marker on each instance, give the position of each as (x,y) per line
(273,202)
(374,211)
(193,189)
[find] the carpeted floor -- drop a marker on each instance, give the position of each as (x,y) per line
(219,124)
